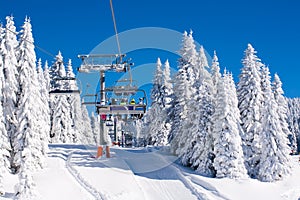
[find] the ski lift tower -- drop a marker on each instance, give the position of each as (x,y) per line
(102,63)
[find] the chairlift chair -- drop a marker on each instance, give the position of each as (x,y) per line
(61,90)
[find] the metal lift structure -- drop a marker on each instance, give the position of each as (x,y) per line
(118,106)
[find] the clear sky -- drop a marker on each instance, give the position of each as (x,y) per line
(74,27)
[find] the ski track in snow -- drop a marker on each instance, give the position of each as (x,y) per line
(201,189)
(96,194)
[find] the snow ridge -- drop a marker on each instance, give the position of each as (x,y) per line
(96,194)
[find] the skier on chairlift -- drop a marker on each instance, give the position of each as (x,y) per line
(132,102)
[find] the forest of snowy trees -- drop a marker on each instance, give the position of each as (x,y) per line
(30,118)
(218,128)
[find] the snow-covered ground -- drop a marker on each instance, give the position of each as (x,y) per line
(142,173)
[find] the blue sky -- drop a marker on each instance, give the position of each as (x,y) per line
(74,27)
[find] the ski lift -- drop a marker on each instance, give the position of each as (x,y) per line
(120,105)
(103,62)
(65,86)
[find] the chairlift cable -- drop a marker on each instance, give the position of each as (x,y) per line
(117,38)
(115,27)
(40,48)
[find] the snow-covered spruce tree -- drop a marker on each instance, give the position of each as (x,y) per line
(229,160)
(181,96)
(145,128)
(44,119)
(155,126)
(202,150)
(47,75)
(250,103)
(189,57)
(156,91)
(168,98)
(27,142)
(87,136)
(282,110)
(202,140)
(61,124)
(4,142)
(274,159)
(74,103)
(293,119)
(10,85)
(185,79)
(215,71)
(191,131)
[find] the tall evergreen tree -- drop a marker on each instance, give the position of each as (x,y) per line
(181,95)
(61,125)
(250,103)
(162,123)
(4,147)
(282,110)
(87,136)
(10,86)
(215,70)
(72,100)
(293,119)
(202,155)
(156,137)
(202,150)
(44,120)
(184,85)
(189,57)
(47,76)
(274,160)
(229,160)
(168,99)
(27,141)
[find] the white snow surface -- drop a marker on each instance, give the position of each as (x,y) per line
(141,173)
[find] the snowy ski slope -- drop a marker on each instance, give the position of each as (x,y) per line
(142,173)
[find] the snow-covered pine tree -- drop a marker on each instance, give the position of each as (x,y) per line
(10,86)
(229,160)
(61,124)
(250,101)
(181,95)
(72,100)
(44,119)
(201,142)
(202,150)
(87,136)
(274,159)
(27,142)
(47,75)
(189,57)
(145,128)
(156,137)
(215,71)
(189,71)
(168,98)
(4,141)
(164,116)
(282,111)
(293,119)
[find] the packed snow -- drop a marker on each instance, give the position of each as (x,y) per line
(72,172)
